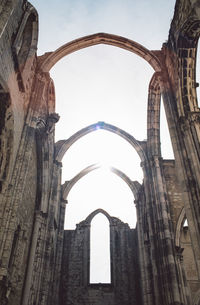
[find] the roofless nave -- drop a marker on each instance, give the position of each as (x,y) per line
(156,263)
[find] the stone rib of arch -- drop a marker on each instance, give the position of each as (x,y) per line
(153,116)
(67,186)
(63,145)
(52,58)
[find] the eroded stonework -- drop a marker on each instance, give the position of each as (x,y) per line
(156,263)
(75,283)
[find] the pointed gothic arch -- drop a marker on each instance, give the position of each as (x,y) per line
(62,146)
(51,58)
(96,212)
(99,271)
(67,186)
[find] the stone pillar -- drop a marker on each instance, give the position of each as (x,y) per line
(33,276)
(165,278)
(54,295)
(185,136)
(45,148)
(144,250)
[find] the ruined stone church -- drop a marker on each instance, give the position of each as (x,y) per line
(158,262)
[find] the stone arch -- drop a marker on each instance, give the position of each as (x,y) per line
(96,212)
(185,249)
(63,145)
(67,186)
(51,58)
(112,220)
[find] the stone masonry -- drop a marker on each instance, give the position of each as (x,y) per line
(156,263)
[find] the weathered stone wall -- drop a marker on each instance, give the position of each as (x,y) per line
(8,85)
(173,191)
(124,288)
(182,111)
(189,263)
(18,157)
(181,232)
(16,77)
(26,106)
(22,237)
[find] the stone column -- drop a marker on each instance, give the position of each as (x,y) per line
(165,278)
(185,136)
(33,275)
(44,144)
(54,296)
(144,250)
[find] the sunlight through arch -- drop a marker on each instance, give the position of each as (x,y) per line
(105,148)
(111,88)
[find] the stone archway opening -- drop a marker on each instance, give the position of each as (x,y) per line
(185,249)
(128,63)
(102,83)
(134,48)
(119,205)
(100,265)
(105,148)
(103,186)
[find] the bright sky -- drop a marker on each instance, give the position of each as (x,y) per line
(103,83)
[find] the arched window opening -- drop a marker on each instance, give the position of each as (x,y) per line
(166,145)
(198,74)
(100,270)
(188,254)
(185,223)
